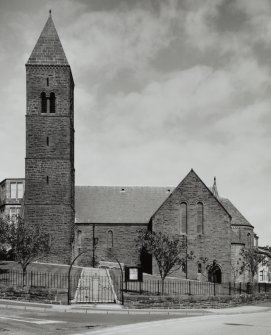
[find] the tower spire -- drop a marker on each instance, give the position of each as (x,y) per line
(48,49)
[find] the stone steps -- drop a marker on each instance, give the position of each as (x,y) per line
(94,287)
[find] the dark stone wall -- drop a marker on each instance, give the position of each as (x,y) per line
(49,166)
(60,83)
(56,190)
(124,242)
(214,243)
(196,302)
(240,235)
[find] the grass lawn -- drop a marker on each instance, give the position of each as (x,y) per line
(152,284)
(43,275)
(41,268)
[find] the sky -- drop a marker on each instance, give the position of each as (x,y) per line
(162,86)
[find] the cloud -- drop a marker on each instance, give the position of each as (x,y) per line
(159,89)
(120,39)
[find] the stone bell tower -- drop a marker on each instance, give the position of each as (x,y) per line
(49,162)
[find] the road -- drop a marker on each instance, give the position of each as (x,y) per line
(240,324)
(20,322)
(250,320)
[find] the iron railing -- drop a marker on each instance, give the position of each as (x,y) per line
(190,287)
(38,279)
(99,287)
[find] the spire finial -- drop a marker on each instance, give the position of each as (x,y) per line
(214,189)
(50,12)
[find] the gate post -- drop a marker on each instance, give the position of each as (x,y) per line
(69,274)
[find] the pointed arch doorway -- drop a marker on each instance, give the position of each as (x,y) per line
(215,274)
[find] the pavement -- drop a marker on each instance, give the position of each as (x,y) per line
(119,309)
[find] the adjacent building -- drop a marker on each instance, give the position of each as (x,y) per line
(11,197)
(264,271)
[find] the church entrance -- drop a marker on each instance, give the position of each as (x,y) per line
(215,274)
(146,261)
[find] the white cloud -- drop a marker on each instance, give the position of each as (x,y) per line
(209,112)
(113,41)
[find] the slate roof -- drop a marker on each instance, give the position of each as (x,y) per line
(48,49)
(237,217)
(132,204)
(106,204)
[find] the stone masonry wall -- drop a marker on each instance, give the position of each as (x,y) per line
(60,80)
(214,243)
(240,235)
(53,191)
(56,220)
(124,244)
(49,167)
(190,302)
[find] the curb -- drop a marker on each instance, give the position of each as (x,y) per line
(117,309)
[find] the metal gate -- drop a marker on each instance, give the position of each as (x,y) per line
(95,286)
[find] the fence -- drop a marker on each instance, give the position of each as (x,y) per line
(101,286)
(38,279)
(189,287)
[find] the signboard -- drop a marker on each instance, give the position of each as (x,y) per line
(133,273)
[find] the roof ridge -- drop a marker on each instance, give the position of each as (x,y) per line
(127,186)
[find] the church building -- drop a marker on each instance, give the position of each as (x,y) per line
(213,228)
(103,219)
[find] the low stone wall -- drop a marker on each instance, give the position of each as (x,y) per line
(197,302)
(35,294)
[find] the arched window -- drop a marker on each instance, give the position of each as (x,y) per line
(183,219)
(249,240)
(109,239)
(52,103)
(43,102)
(200,218)
(199,268)
(239,234)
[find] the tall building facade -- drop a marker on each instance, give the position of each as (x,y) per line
(49,162)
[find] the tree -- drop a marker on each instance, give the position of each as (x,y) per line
(169,252)
(250,260)
(236,270)
(4,247)
(28,243)
(2,229)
